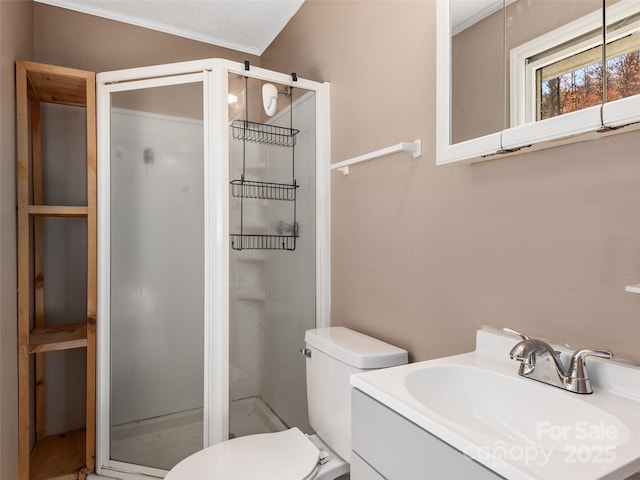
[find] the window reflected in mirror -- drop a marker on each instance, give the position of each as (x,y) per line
(561,70)
(623,49)
(554,51)
(576,82)
(568,85)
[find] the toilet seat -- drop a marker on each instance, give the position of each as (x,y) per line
(287,455)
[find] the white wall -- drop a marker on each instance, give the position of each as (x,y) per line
(157,266)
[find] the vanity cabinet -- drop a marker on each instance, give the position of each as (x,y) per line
(386,446)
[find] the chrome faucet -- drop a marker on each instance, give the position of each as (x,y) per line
(539,361)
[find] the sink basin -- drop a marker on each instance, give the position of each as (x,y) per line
(488,407)
(519,428)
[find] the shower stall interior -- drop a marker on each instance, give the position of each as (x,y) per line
(213,257)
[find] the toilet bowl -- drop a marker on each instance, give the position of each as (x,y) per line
(332,354)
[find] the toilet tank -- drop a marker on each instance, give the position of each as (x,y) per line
(335,354)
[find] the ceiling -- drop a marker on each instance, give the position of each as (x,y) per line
(245,25)
(465,13)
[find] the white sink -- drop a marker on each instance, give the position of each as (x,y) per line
(488,406)
(517,427)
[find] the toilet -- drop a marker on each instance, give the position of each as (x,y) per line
(332,354)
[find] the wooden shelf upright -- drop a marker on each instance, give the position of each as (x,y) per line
(70,455)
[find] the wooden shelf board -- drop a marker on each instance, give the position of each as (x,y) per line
(58,457)
(57,211)
(58,337)
(52,84)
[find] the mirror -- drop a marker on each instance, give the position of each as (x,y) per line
(554,57)
(477,35)
(622,82)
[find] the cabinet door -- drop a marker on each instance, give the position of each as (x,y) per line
(623,63)
(554,55)
(471,79)
(361,470)
(400,450)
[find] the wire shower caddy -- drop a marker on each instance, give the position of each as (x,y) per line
(243,188)
(264,134)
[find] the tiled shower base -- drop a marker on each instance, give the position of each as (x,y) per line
(163,441)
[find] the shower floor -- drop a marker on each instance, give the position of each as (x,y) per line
(163,441)
(252,415)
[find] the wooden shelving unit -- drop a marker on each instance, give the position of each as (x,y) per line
(71,455)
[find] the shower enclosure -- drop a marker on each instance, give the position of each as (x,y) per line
(213,257)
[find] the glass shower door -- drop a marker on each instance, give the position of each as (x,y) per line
(157,275)
(272,284)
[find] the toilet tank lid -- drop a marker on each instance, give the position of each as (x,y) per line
(354,348)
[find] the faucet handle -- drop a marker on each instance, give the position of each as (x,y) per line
(577,377)
(579,355)
(511,331)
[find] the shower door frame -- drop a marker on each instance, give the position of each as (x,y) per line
(214,74)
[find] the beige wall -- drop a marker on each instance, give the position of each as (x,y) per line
(423,255)
(16,42)
(77,40)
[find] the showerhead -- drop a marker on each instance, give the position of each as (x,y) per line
(270,98)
